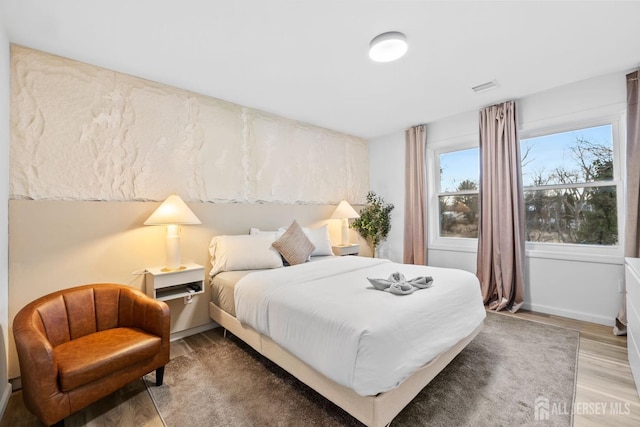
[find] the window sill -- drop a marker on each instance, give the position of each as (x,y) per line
(454,248)
(604,256)
(574,253)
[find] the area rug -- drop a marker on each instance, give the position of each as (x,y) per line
(513,373)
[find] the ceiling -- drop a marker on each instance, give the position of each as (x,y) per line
(307,60)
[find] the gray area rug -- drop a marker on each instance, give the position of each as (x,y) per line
(493,382)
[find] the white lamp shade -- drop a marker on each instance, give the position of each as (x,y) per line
(172,211)
(388,47)
(344,210)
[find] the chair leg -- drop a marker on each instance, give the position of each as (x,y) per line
(159,376)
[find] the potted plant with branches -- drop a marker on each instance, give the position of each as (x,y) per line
(374,223)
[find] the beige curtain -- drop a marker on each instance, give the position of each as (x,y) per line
(632,224)
(501,229)
(415,244)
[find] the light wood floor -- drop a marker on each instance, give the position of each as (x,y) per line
(604,377)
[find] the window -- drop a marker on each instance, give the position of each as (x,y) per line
(572,182)
(458,195)
(570,187)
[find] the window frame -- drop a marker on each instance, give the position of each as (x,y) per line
(561,251)
(574,251)
(461,244)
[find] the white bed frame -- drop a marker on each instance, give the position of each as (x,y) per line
(374,411)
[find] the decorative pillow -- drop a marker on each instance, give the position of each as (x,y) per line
(243,252)
(294,246)
(320,239)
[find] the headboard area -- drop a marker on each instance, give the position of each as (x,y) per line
(59,244)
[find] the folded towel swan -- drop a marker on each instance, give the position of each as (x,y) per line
(399,285)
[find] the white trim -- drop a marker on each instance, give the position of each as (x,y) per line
(433,152)
(456,246)
(577,315)
(458,193)
(192,331)
(592,257)
(559,253)
(620,172)
(461,244)
(591,184)
(455,143)
(4,399)
(572,121)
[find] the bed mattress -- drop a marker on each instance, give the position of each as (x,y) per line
(223,285)
(328,315)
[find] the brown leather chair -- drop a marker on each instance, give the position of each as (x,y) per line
(80,344)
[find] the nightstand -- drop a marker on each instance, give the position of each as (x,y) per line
(166,285)
(346,250)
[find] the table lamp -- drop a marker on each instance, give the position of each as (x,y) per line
(173,212)
(344,211)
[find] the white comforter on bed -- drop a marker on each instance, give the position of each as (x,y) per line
(328,315)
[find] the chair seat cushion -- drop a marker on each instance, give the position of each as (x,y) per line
(86,359)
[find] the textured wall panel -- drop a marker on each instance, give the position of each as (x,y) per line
(80,132)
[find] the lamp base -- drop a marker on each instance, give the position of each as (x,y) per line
(345,232)
(173,248)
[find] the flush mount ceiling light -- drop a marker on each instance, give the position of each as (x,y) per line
(388,47)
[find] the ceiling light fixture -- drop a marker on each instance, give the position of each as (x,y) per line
(388,47)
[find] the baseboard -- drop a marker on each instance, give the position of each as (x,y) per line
(192,331)
(4,399)
(577,315)
(16,383)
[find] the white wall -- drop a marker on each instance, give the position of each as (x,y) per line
(386,166)
(566,284)
(5,389)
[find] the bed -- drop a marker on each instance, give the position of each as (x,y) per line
(368,351)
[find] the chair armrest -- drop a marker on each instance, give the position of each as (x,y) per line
(38,368)
(157,317)
(149,314)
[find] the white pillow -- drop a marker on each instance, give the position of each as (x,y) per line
(318,236)
(320,239)
(243,252)
(276,234)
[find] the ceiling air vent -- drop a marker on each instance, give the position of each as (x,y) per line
(485,86)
